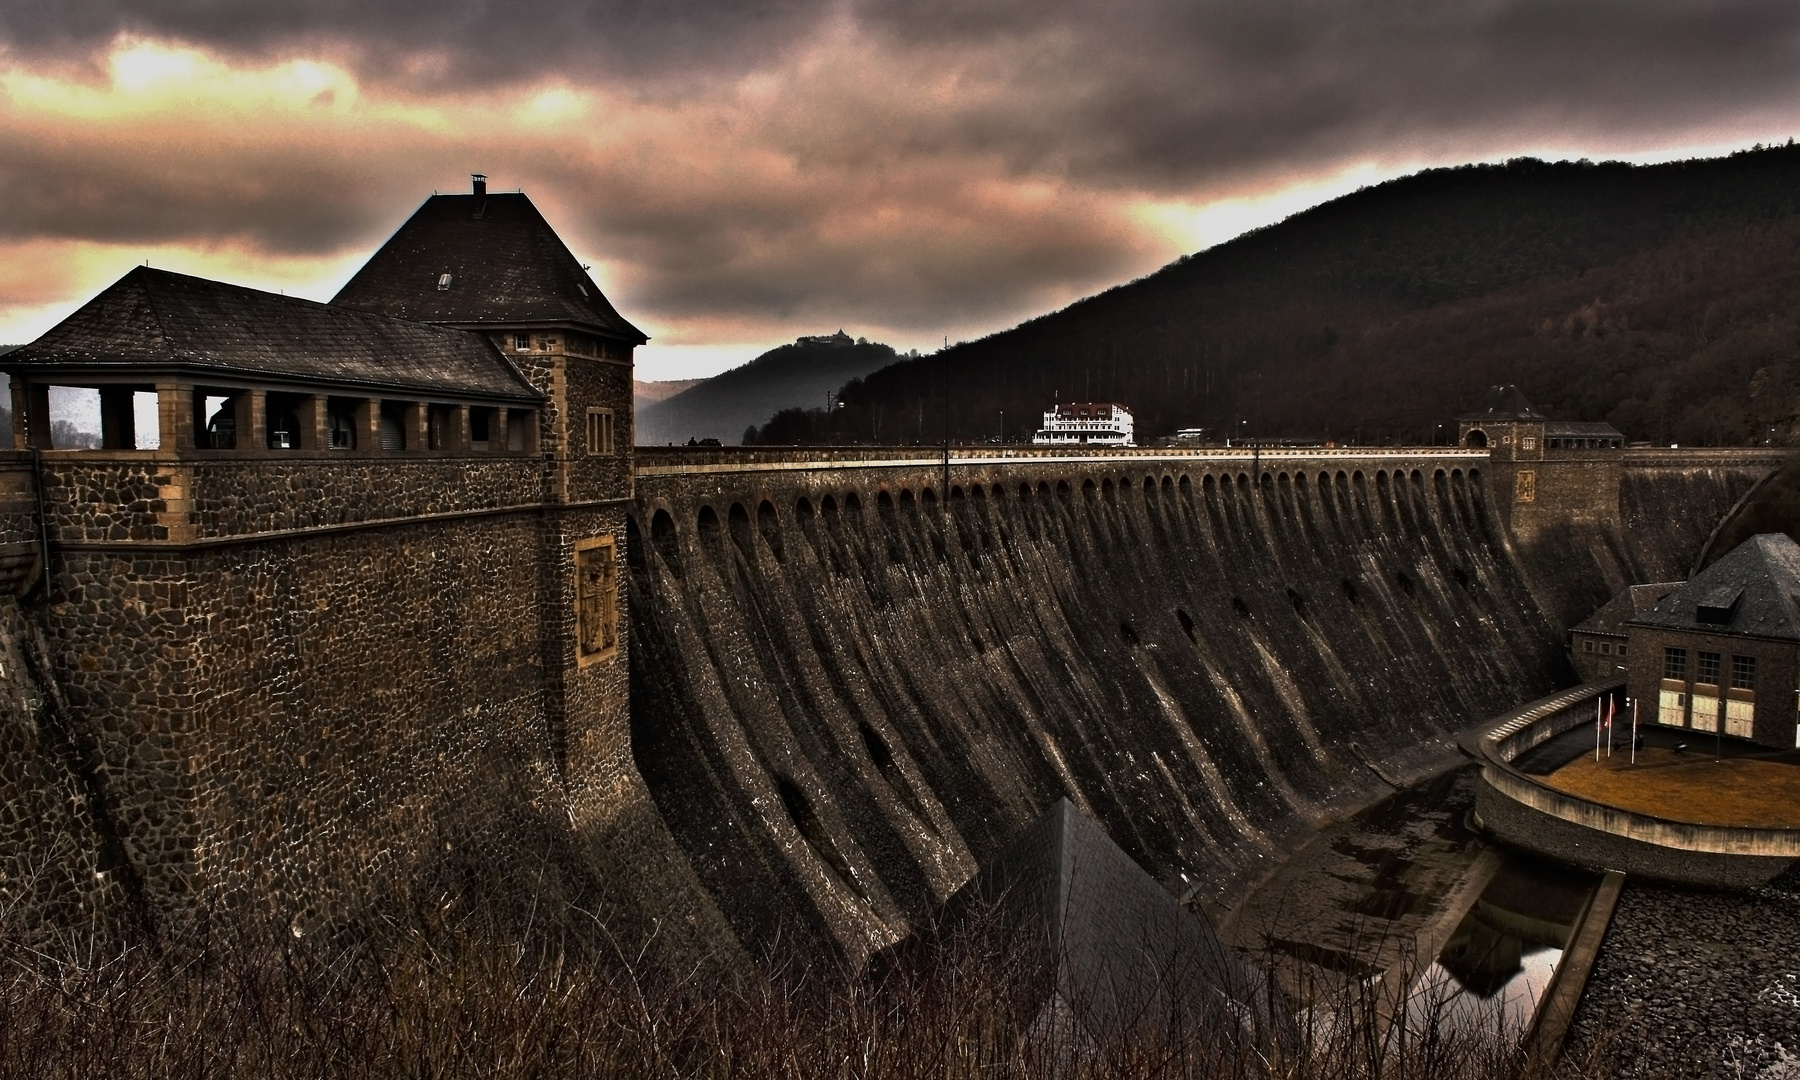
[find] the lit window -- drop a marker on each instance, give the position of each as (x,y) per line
(1528,443)
(1525,487)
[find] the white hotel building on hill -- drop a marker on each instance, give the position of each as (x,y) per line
(1085,423)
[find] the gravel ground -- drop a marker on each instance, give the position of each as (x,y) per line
(1691,983)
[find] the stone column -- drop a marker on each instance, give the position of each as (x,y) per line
(314,416)
(175,415)
(456,429)
(368,424)
(497,430)
(250,411)
(31,415)
(414,416)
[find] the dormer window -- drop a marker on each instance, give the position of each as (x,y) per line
(443,282)
(522,342)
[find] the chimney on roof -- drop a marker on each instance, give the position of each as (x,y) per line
(480,183)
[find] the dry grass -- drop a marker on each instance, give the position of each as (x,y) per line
(1691,787)
(456,1001)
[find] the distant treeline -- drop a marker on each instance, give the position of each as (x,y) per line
(1663,298)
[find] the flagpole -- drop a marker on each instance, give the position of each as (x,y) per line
(1596,730)
(1634,731)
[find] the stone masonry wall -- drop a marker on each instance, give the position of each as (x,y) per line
(848,690)
(290,730)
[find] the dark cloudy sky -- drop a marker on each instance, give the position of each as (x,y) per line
(742,172)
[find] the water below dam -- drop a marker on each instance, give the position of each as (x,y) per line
(1407,894)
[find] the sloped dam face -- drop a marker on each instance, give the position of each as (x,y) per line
(848,690)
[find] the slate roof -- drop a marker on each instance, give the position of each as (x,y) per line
(155,320)
(1504,403)
(1581,429)
(1628,602)
(1759,582)
(507,267)
(1122,949)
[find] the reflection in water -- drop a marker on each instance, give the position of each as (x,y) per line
(1501,958)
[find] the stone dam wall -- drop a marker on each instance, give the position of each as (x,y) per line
(848,688)
(849,680)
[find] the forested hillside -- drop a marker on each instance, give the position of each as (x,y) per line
(1664,298)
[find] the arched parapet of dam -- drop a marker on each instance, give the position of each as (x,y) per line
(1524,811)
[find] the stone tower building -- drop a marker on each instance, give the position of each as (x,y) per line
(338,592)
(1545,472)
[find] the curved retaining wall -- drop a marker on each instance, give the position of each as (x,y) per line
(847,691)
(1525,812)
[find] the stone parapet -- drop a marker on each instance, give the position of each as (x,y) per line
(664,461)
(146,496)
(1525,812)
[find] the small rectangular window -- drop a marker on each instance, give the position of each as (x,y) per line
(1674,663)
(1743,673)
(1528,443)
(1620,650)
(1708,668)
(522,342)
(1606,648)
(599,431)
(1587,646)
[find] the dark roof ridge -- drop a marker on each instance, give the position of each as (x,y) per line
(1766,567)
(152,318)
(506,266)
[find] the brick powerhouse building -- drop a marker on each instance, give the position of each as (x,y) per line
(1725,647)
(338,568)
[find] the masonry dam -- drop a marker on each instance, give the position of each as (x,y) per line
(855,674)
(847,676)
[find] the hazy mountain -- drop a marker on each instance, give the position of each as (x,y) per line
(650,392)
(790,376)
(1664,298)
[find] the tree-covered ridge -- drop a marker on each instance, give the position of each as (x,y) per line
(796,375)
(1660,297)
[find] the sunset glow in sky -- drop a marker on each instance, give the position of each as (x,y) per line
(739,173)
